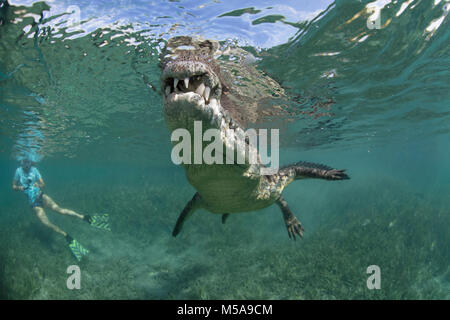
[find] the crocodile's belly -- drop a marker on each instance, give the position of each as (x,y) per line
(225,188)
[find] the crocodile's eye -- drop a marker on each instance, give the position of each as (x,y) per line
(212,46)
(205,44)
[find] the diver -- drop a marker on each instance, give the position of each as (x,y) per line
(29,180)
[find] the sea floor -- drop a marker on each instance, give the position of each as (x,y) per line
(249,257)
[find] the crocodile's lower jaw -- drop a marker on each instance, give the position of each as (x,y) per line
(182,109)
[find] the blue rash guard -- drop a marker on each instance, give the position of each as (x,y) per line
(27,180)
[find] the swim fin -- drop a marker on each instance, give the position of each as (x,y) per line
(77,249)
(99,221)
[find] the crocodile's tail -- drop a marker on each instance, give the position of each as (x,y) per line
(304,170)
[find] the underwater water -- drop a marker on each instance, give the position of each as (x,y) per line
(79,94)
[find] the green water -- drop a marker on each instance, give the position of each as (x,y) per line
(91,113)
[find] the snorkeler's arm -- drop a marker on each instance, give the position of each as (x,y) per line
(16,187)
(15,180)
(40,183)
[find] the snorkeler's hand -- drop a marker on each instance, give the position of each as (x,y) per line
(39,184)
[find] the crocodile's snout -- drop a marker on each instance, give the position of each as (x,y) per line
(190,80)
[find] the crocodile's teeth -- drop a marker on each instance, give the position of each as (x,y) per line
(167,90)
(207,92)
(175,82)
(214,106)
(186,82)
(213,103)
(200,89)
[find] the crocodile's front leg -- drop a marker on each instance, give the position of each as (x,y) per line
(188,210)
(294,227)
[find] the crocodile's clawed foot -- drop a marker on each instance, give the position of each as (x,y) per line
(335,174)
(294,227)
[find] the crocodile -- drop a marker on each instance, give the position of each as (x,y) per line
(198,86)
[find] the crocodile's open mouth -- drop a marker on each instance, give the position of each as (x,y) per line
(182,79)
